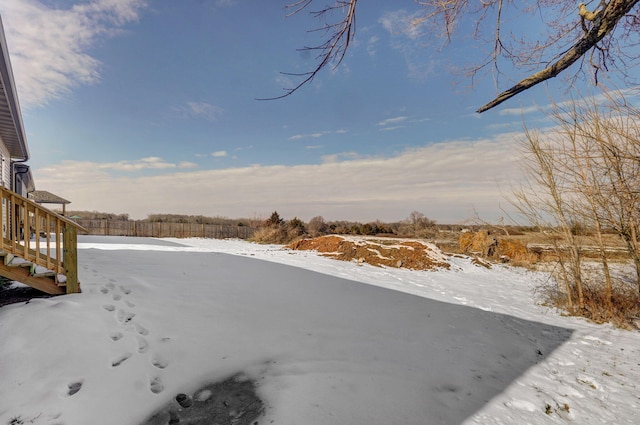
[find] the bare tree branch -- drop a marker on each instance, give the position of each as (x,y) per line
(603,24)
(334,48)
(594,45)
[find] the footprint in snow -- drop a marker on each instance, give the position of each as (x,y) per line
(105,289)
(143,345)
(140,329)
(119,360)
(109,307)
(116,297)
(74,387)
(155,385)
(159,361)
(124,317)
(116,336)
(125,290)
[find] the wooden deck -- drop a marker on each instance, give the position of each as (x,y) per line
(39,247)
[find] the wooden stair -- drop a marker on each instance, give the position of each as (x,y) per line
(38,247)
(15,268)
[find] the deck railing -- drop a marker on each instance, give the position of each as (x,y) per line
(40,236)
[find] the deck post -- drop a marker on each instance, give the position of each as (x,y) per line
(70,258)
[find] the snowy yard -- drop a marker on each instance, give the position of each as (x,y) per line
(327,342)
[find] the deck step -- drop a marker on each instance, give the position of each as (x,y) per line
(34,269)
(39,271)
(19,262)
(22,274)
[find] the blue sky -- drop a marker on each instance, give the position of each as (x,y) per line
(141,107)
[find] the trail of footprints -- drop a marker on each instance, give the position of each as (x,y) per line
(125,318)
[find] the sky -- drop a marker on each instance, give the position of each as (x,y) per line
(145,107)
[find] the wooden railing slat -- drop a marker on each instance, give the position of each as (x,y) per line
(20,216)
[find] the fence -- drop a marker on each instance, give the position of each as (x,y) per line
(164,230)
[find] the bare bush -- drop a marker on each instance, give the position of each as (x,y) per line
(317,227)
(417,225)
(583,176)
(597,299)
(271,235)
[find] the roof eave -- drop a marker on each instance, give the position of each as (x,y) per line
(15,139)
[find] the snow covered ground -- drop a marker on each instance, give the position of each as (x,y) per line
(328,342)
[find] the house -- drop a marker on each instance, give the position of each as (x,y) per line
(47,263)
(44,197)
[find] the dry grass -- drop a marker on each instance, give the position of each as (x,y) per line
(477,243)
(622,309)
(516,253)
(274,235)
(505,249)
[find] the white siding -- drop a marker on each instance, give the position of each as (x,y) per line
(5,166)
(5,180)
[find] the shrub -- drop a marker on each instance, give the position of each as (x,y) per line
(271,234)
(417,225)
(296,226)
(274,220)
(318,227)
(622,309)
(478,243)
(515,252)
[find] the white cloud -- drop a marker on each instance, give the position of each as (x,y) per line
(342,156)
(308,136)
(187,164)
(219,154)
(49,46)
(444,181)
(201,109)
(520,111)
(149,163)
(372,44)
(394,120)
(407,37)
(316,135)
(400,22)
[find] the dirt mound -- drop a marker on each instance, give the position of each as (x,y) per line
(410,254)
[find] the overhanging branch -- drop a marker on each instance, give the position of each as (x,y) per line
(608,19)
(334,48)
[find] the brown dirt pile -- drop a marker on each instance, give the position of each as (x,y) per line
(410,254)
